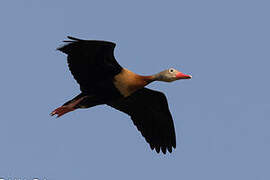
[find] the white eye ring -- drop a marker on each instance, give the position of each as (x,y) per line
(171,70)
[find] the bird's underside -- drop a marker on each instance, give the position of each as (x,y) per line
(103,81)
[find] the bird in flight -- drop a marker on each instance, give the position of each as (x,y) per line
(103,81)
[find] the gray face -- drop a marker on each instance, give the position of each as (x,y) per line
(168,75)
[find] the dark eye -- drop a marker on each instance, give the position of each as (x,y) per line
(171,70)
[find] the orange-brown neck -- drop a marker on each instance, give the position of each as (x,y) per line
(147,79)
(128,82)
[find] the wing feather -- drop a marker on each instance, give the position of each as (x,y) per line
(150,113)
(91,62)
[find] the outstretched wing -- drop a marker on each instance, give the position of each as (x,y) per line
(149,111)
(91,61)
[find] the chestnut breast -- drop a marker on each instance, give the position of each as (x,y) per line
(128,82)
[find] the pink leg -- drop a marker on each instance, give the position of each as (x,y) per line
(62,110)
(67,108)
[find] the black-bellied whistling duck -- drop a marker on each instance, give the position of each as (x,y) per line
(103,81)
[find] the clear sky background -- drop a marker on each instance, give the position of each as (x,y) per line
(221,116)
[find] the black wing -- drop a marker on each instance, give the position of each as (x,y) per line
(150,113)
(91,61)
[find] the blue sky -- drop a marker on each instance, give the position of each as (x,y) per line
(221,116)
